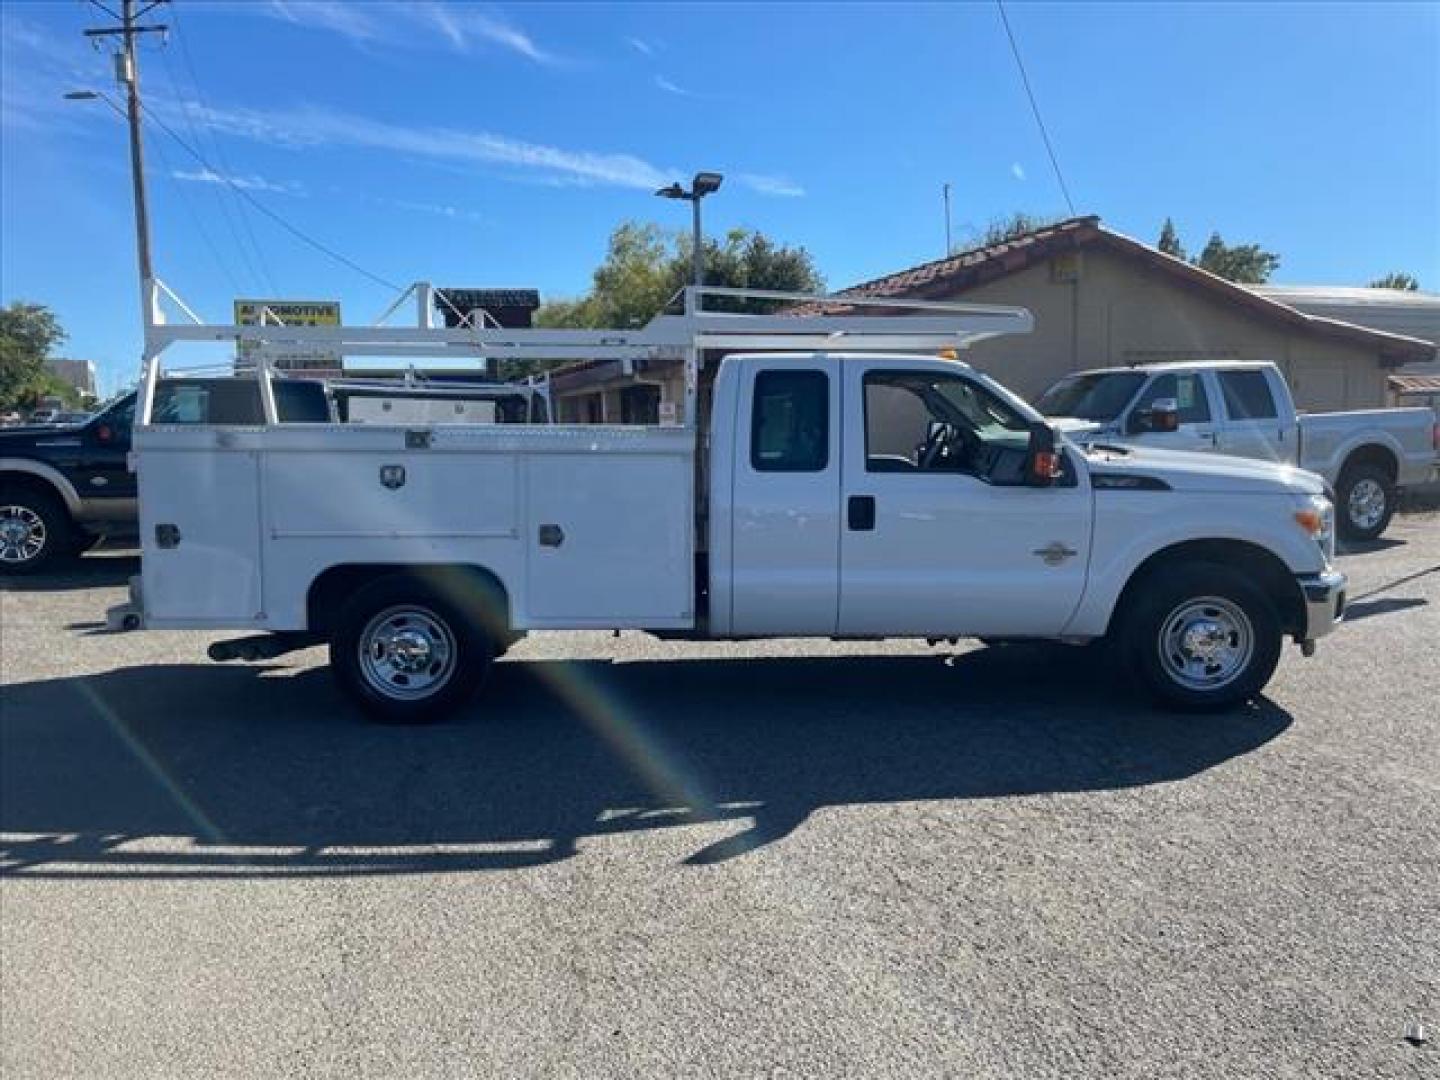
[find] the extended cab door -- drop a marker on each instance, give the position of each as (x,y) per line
(930,547)
(785,498)
(1259,418)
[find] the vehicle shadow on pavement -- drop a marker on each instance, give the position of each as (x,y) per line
(90,572)
(260,772)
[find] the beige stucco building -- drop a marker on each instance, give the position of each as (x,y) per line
(1099,299)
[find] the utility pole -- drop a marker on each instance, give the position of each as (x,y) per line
(127,72)
(945,194)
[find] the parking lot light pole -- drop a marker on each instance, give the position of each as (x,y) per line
(704,183)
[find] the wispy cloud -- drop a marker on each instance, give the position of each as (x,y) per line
(352,21)
(244,183)
(308,127)
(780,186)
(641,46)
(37,66)
(671,88)
(1017,171)
(444,210)
(461,28)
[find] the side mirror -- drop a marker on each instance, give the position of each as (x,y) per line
(1163,415)
(1042,462)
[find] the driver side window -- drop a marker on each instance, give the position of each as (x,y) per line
(1186,389)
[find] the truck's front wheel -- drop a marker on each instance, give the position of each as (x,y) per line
(1201,637)
(406,654)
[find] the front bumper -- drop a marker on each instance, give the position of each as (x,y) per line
(1324,595)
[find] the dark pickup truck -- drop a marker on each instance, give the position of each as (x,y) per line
(64,488)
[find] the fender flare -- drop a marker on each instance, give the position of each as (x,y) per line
(51,475)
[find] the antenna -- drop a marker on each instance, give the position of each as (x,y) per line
(945,194)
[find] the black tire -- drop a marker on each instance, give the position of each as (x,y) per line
(448,651)
(29,514)
(1355,502)
(1200,637)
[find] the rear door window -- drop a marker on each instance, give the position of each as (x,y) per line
(790,422)
(1247,395)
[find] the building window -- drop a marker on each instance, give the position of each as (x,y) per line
(790,422)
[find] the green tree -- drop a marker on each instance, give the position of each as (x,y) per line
(28,334)
(1246,264)
(646,266)
(1170,241)
(1019,223)
(1397,280)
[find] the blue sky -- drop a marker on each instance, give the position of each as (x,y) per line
(477,144)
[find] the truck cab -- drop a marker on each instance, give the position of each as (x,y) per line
(853,496)
(1245,409)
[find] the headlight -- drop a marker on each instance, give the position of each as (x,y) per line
(1318,519)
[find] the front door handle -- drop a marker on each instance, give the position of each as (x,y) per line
(860,513)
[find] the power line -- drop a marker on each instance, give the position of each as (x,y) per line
(294,230)
(195,217)
(222,196)
(1035,108)
(219,154)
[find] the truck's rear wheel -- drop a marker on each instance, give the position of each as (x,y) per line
(1366,501)
(1201,636)
(406,654)
(35,530)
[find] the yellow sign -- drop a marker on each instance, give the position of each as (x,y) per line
(287,313)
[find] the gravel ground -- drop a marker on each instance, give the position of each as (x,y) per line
(788,858)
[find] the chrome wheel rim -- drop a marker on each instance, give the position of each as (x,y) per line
(406,653)
(1206,643)
(22,534)
(1366,503)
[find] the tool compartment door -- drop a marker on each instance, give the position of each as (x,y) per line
(199,531)
(609,540)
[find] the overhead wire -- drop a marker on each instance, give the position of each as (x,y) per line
(1035,107)
(195,217)
(294,230)
(219,150)
(222,194)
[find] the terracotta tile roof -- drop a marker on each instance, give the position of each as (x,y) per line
(950,277)
(993,260)
(1415,384)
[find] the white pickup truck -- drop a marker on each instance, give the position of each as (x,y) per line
(1245,410)
(867,489)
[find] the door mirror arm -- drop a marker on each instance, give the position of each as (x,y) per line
(1162,416)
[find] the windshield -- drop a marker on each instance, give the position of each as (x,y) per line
(1091,397)
(989,416)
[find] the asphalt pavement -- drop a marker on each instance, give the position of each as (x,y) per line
(793,858)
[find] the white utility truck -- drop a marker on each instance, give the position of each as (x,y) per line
(1245,410)
(840,479)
